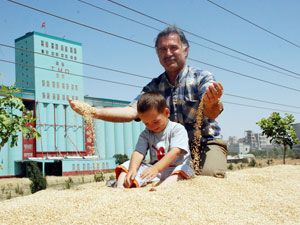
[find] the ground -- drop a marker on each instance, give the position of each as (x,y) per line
(268,195)
(15,187)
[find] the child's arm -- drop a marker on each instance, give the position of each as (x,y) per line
(135,162)
(162,164)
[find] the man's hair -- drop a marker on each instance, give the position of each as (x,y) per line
(151,100)
(172,30)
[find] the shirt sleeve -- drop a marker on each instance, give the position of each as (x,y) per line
(179,138)
(142,145)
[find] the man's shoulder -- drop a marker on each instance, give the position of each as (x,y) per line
(198,72)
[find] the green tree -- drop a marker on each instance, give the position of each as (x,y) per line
(11,120)
(280,130)
(119,158)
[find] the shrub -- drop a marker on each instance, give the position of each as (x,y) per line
(19,190)
(68,183)
(119,158)
(230,166)
(252,163)
(38,181)
(112,177)
(99,176)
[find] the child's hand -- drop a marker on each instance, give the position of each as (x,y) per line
(149,173)
(129,178)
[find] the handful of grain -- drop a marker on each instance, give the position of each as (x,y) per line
(87,111)
(196,144)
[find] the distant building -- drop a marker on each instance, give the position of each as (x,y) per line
(238,148)
(49,71)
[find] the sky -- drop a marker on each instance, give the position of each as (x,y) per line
(208,27)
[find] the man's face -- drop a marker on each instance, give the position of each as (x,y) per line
(172,53)
(155,121)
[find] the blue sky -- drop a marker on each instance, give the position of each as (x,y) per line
(197,16)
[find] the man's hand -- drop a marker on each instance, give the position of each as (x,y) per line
(149,173)
(129,178)
(211,100)
(82,108)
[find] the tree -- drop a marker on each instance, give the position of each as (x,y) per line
(280,130)
(14,118)
(119,158)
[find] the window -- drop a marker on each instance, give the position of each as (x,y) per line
(66,49)
(57,75)
(71,49)
(48,96)
(72,86)
(43,83)
(57,84)
(83,166)
(42,43)
(57,63)
(46,44)
(62,76)
(52,45)
(63,97)
(67,86)
(71,57)
(61,47)
(57,96)
(48,83)
(76,87)
(53,96)
(75,50)
(75,58)
(62,55)
(66,56)
(78,167)
(63,85)
(56,54)
(47,53)
(52,53)
(53,84)
(44,95)
(56,46)
(73,166)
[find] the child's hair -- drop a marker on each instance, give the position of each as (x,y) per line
(151,100)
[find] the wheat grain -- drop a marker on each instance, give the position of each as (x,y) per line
(196,142)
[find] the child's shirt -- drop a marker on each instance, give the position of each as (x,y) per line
(174,135)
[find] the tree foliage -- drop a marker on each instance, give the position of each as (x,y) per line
(38,181)
(119,158)
(14,118)
(280,130)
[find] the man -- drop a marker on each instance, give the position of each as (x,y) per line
(183,87)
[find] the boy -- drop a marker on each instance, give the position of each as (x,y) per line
(167,142)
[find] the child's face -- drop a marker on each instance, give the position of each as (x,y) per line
(155,121)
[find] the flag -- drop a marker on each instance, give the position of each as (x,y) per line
(44,25)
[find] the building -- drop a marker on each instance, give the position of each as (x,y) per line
(238,148)
(49,71)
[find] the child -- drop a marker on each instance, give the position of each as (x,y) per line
(167,142)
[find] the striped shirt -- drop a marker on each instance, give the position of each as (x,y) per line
(183,99)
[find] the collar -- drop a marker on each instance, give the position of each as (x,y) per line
(181,74)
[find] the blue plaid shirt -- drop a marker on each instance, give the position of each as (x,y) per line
(183,99)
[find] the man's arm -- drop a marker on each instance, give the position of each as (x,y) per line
(212,106)
(111,114)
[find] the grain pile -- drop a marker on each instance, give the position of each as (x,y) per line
(252,196)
